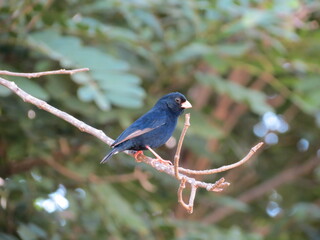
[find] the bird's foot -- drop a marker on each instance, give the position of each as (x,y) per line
(136,155)
(160,160)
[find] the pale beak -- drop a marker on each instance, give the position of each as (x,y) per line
(186,104)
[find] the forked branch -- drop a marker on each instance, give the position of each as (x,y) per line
(175,171)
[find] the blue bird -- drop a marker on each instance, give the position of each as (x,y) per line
(152,129)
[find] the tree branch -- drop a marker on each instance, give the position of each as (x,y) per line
(172,171)
(182,186)
(252,151)
(177,155)
(39,74)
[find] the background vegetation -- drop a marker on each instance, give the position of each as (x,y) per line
(250,69)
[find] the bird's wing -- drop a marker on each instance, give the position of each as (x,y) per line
(146,123)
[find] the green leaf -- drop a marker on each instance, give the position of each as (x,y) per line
(30,232)
(306,211)
(202,127)
(4,92)
(33,88)
(4,236)
(234,50)
(108,76)
(307,84)
(150,20)
(191,52)
(235,233)
(71,53)
(129,97)
(118,79)
(102,101)
(120,209)
(110,31)
(81,78)
(307,95)
(254,99)
(231,202)
(306,104)
(256,17)
(86,93)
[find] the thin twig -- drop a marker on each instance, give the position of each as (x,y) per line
(177,155)
(189,206)
(223,168)
(180,197)
(39,74)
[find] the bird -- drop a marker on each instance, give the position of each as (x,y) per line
(152,129)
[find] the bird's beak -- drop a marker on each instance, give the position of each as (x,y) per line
(186,104)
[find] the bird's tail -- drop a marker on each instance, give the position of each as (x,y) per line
(109,155)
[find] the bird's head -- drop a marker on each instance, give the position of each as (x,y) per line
(176,102)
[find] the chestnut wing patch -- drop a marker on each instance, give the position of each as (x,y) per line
(146,123)
(134,134)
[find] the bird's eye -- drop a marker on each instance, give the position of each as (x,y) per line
(178,100)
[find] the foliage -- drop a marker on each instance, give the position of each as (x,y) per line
(237,61)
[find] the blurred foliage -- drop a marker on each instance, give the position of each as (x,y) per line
(236,61)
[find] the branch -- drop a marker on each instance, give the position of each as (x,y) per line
(182,186)
(252,151)
(39,74)
(172,171)
(177,155)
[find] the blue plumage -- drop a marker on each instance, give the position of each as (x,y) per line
(154,128)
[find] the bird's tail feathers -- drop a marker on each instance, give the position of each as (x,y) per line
(109,155)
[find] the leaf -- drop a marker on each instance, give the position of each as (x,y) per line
(70,52)
(255,17)
(203,128)
(4,236)
(81,77)
(4,92)
(30,231)
(102,101)
(254,99)
(306,211)
(306,104)
(191,52)
(307,93)
(120,209)
(150,20)
(32,88)
(235,233)
(86,93)
(231,202)
(308,84)
(113,78)
(234,50)
(108,80)
(110,31)
(128,98)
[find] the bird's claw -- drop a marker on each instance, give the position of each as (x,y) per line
(162,161)
(136,155)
